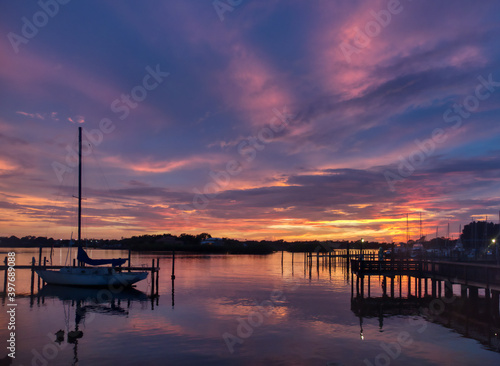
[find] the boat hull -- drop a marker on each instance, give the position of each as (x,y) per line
(91,277)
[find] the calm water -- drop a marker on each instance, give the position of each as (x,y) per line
(228,310)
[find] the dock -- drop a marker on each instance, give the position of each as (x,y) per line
(154,270)
(441,274)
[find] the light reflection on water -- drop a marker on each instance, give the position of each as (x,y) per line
(281,316)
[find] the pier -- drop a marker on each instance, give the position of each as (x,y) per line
(442,275)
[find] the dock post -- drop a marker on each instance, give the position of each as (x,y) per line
(463,291)
(32,275)
(362,286)
(473,293)
(392,287)
(448,289)
(5,277)
(152,277)
(433,288)
(439,288)
(357,285)
(369,285)
(173,265)
(129,265)
(495,302)
(157,275)
(39,264)
(384,286)
(409,286)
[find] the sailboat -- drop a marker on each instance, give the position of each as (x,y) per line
(90,276)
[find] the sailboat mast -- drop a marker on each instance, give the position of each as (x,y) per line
(79,185)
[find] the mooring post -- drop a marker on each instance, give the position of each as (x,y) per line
(157,274)
(495,302)
(129,265)
(400,285)
(463,291)
(5,277)
(409,286)
(152,277)
(173,265)
(74,262)
(32,274)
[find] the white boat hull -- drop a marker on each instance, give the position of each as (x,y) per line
(91,277)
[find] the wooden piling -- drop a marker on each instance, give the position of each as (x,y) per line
(39,264)
(463,291)
(448,289)
(5,277)
(152,277)
(157,275)
(32,275)
(129,265)
(40,256)
(173,265)
(369,286)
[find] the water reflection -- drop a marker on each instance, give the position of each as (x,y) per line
(475,319)
(290,312)
(80,307)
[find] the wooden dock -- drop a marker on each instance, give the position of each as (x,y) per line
(470,276)
(154,270)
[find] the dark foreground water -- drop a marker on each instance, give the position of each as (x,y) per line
(235,310)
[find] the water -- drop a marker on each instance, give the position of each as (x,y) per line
(228,310)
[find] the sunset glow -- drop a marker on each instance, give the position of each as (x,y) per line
(279,121)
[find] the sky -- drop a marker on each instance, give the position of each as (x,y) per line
(250,119)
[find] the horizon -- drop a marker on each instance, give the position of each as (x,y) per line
(257,121)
